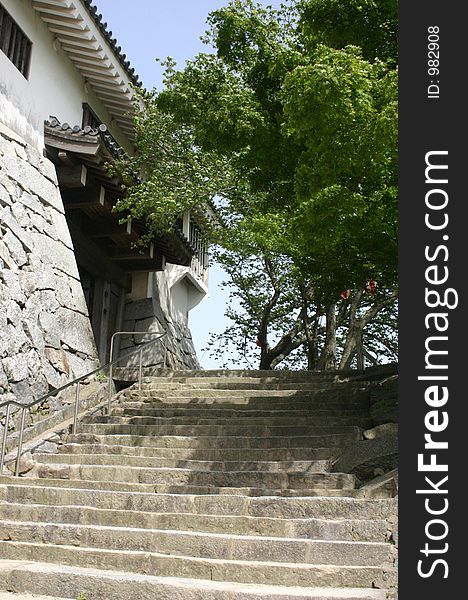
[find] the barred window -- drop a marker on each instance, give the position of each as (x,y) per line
(14,43)
(90,118)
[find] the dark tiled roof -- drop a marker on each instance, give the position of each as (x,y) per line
(98,19)
(79,132)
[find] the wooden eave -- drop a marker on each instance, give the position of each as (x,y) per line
(86,186)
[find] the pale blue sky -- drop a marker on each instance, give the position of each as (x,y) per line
(147,29)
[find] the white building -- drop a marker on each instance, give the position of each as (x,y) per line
(69,272)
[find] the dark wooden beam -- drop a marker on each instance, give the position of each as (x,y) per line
(103,228)
(93,259)
(85,197)
(122,253)
(72,177)
(146,265)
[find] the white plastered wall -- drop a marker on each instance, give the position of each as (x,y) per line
(54,86)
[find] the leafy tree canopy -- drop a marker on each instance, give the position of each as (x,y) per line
(292,123)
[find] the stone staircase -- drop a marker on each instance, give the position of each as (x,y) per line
(204,486)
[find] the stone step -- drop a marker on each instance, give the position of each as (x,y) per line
(213,442)
(188,477)
(314,466)
(168,411)
(200,544)
(242,403)
(13,596)
(214,454)
(240,571)
(309,528)
(200,431)
(273,395)
(190,489)
(119,425)
(213,421)
(232,374)
(94,584)
(63,493)
(251,384)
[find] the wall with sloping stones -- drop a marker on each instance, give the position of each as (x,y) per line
(45,333)
(147,315)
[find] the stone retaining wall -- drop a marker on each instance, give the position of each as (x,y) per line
(45,333)
(147,315)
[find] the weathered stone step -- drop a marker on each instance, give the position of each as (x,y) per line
(26,596)
(234,430)
(195,465)
(200,544)
(336,374)
(168,411)
(215,454)
(356,393)
(188,477)
(241,571)
(238,422)
(251,384)
(13,596)
(308,528)
(63,493)
(197,443)
(244,403)
(190,489)
(106,585)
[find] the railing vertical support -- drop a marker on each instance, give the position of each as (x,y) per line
(77,408)
(20,442)
(140,369)
(165,354)
(5,436)
(111,373)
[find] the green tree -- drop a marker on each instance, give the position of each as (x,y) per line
(291,122)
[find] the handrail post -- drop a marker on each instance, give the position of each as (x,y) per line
(111,373)
(77,405)
(140,369)
(20,442)
(5,436)
(165,353)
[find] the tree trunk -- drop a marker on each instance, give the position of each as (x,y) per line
(265,359)
(328,358)
(353,340)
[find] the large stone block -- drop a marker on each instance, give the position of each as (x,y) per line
(32,203)
(55,254)
(9,222)
(364,457)
(59,225)
(76,331)
(17,341)
(52,329)
(58,359)
(22,392)
(21,215)
(28,282)
(32,180)
(5,199)
(138,310)
(7,258)
(15,249)
(16,367)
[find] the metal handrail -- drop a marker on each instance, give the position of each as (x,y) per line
(77,382)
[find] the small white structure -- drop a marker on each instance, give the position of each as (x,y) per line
(70,275)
